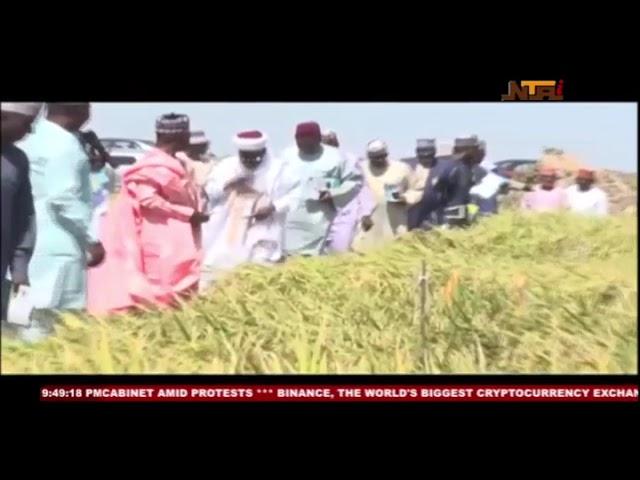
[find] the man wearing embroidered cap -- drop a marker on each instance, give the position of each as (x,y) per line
(152,232)
(425,153)
(586,199)
(18,213)
(249,196)
(327,182)
(425,158)
(447,188)
(197,157)
(547,196)
(394,189)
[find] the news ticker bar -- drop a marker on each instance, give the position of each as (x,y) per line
(339,393)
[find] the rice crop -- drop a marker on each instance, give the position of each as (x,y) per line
(513,294)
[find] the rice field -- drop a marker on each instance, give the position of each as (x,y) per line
(513,294)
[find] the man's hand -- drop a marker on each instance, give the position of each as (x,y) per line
(399,197)
(367,223)
(198,218)
(95,254)
(325,196)
(17,287)
(264,212)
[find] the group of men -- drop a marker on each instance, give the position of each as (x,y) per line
(583,197)
(176,220)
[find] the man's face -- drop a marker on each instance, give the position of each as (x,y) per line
(548,181)
(378,159)
(308,144)
(15,126)
(197,151)
(584,184)
(182,141)
(252,160)
(81,116)
(426,157)
(469,154)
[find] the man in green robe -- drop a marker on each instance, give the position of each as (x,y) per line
(327,182)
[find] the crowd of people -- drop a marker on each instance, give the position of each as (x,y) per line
(80,234)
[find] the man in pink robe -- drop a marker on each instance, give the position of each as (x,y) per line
(152,230)
(547,197)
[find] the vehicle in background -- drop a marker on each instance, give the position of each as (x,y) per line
(125,152)
(122,158)
(126,144)
(506,168)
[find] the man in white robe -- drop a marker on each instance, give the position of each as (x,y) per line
(249,196)
(421,164)
(586,199)
(395,188)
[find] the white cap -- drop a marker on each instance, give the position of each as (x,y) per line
(250,141)
(28,109)
(377,146)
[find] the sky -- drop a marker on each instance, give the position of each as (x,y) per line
(603,135)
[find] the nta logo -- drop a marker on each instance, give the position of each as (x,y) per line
(535,90)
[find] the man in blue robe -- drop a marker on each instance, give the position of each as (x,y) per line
(327,183)
(60,177)
(18,214)
(447,189)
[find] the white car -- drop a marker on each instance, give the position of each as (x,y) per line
(121,160)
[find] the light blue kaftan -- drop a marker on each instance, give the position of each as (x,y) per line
(60,178)
(309,220)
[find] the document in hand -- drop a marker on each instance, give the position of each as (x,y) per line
(489,186)
(20,308)
(390,191)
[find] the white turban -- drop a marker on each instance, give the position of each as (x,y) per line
(377,146)
(28,109)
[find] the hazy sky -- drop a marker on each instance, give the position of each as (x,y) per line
(602,134)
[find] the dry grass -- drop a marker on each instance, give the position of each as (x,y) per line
(514,294)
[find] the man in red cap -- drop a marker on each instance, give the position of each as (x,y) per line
(327,182)
(547,196)
(586,199)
